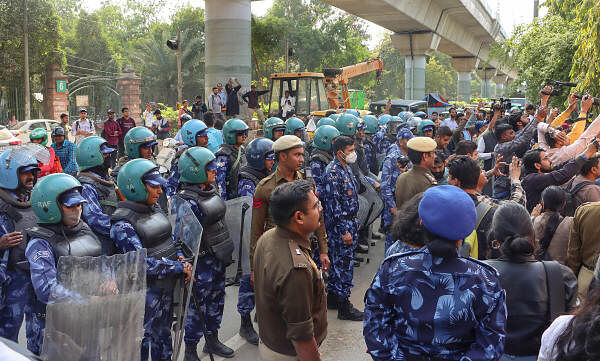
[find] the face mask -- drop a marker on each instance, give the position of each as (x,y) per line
(351,158)
(71,218)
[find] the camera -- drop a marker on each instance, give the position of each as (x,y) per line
(596,100)
(501,104)
(557,86)
(403,161)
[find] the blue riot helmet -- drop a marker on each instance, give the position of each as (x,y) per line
(406,115)
(384,119)
(257,150)
(421,115)
(190,130)
(326,121)
(334,116)
(424,125)
(353,112)
(14,161)
(413,123)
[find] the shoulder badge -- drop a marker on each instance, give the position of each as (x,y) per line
(297,255)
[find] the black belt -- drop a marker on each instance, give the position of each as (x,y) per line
(588,267)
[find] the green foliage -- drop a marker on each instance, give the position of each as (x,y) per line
(392,78)
(586,66)
(540,50)
(440,77)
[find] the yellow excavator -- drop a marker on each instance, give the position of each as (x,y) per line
(309,92)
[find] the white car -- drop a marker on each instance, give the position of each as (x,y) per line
(23,128)
(7,138)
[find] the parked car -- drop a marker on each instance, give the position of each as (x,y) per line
(7,138)
(22,129)
(398,106)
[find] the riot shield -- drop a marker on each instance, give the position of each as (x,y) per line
(380,157)
(238,220)
(103,316)
(374,199)
(363,210)
(187,232)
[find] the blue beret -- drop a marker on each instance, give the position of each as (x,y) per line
(448,212)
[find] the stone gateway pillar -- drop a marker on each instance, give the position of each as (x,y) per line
(56,100)
(129,86)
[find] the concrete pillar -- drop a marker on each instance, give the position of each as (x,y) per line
(414,46)
(227,33)
(464,66)
(55,103)
(129,86)
(414,77)
(486,74)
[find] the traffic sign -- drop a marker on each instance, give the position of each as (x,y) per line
(61,86)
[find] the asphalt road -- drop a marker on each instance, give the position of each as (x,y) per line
(344,340)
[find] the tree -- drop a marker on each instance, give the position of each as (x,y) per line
(392,78)
(541,50)
(440,77)
(586,67)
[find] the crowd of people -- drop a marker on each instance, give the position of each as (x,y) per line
(488,219)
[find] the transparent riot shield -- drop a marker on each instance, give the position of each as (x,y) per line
(363,210)
(238,220)
(187,232)
(380,157)
(102,316)
(375,201)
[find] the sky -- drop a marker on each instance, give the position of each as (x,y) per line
(511,13)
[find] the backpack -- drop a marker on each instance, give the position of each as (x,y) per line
(572,203)
(470,245)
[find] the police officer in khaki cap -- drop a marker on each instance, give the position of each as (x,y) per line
(421,152)
(289,152)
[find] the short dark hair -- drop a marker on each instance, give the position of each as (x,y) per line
(531,157)
(407,225)
(63,115)
(550,140)
(287,199)
(465,147)
(124,109)
(588,165)
(414,155)
(157,112)
(466,170)
(529,106)
(214,88)
(198,96)
(432,113)
(444,131)
(500,129)
(209,119)
(341,142)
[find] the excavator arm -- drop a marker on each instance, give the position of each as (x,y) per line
(335,77)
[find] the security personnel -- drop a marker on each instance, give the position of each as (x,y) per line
(340,198)
(194,133)
(289,153)
(321,155)
(198,170)
(57,203)
(325,121)
(39,136)
(273,128)
(231,157)
(379,136)
(389,175)
(426,128)
(455,303)
(93,157)
(290,297)
(139,223)
(421,152)
(261,159)
(295,126)
(371,128)
(18,175)
(139,142)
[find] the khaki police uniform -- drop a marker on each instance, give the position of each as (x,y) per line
(290,294)
(417,179)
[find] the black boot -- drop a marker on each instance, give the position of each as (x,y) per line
(346,311)
(358,258)
(356,264)
(332,301)
(214,346)
(247,330)
(376,236)
(191,353)
(362,249)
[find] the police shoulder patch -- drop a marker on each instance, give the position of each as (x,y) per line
(298,257)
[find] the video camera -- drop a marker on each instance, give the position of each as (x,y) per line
(557,86)
(501,104)
(596,100)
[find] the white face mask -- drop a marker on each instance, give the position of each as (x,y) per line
(351,158)
(71,218)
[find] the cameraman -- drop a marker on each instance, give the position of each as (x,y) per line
(556,144)
(541,175)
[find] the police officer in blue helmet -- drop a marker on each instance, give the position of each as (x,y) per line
(18,175)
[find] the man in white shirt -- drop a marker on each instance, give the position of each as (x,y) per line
(83,127)
(215,103)
(148,116)
(287,104)
(450,122)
